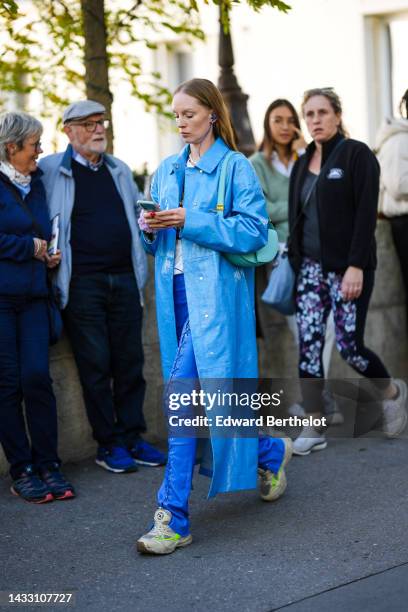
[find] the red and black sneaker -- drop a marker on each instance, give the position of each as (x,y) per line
(56,482)
(29,487)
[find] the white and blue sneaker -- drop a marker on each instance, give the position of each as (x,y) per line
(146,454)
(116,459)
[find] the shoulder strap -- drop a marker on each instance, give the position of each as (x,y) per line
(222,181)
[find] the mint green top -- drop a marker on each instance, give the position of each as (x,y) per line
(276,191)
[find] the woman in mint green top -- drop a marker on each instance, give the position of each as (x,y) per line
(281,145)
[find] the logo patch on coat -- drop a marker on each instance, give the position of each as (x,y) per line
(335,173)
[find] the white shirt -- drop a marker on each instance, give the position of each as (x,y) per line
(178,257)
(84,162)
(280,166)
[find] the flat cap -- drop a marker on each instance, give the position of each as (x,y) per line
(81,109)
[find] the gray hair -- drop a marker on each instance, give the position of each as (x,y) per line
(16,127)
(332,97)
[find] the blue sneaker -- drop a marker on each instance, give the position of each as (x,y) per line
(145,454)
(115,459)
(29,487)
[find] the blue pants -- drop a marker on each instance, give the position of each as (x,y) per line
(175,490)
(104,322)
(24,374)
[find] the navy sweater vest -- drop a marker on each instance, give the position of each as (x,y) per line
(100,235)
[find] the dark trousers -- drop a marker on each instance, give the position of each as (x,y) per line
(399,227)
(104,322)
(24,374)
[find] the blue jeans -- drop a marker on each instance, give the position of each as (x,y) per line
(104,322)
(24,375)
(176,487)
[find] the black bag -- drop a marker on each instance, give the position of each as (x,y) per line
(54,313)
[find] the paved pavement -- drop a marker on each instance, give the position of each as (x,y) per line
(336,541)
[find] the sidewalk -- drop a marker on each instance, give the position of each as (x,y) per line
(336,541)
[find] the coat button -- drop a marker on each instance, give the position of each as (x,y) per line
(206,315)
(201,171)
(201,277)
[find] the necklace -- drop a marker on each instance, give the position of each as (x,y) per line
(193,161)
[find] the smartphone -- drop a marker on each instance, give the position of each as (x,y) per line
(148,205)
(53,243)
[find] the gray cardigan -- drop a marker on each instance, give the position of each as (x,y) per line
(60,188)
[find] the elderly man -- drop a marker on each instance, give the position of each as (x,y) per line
(100,281)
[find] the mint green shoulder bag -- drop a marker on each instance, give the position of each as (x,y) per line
(246,260)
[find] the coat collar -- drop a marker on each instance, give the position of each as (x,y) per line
(209,160)
(66,163)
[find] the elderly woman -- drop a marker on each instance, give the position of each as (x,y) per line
(333,200)
(24,325)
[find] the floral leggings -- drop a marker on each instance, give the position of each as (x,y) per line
(318,293)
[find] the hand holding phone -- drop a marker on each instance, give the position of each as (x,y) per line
(148,205)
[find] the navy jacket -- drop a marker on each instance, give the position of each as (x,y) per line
(20,273)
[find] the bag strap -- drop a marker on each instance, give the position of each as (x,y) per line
(222,181)
(313,186)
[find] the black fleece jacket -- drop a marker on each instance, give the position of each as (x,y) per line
(347,199)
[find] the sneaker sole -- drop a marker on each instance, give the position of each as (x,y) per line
(45,500)
(148,463)
(317,447)
(66,495)
(141,547)
(105,466)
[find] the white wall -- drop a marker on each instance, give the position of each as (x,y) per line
(318,43)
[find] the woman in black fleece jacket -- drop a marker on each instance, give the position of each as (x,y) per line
(332,218)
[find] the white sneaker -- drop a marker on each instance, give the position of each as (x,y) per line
(309,440)
(161,539)
(272,486)
(296,410)
(331,410)
(395,411)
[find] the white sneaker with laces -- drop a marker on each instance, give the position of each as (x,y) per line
(161,539)
(395,411)
(272,486)
(308,440)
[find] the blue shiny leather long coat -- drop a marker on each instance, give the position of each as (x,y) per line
(220,296)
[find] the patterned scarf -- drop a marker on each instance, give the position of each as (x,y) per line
(21,180)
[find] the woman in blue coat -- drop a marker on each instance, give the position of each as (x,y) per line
(25,229)
(205,305)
